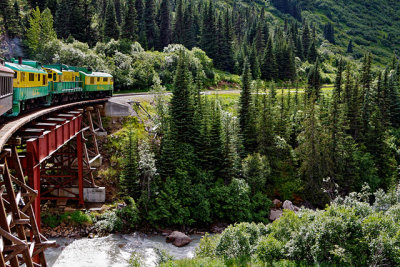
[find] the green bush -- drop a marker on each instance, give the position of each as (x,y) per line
(269,248)
(129,214)
(349,232)
(109,222)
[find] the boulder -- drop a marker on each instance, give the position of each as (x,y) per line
(288,205)
(178,239)
(277,203)
(275,214)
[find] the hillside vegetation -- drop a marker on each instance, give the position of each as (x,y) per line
(372,25)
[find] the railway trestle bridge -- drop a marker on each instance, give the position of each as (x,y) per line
(48,154)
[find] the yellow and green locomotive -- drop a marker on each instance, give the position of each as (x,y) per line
(36,85)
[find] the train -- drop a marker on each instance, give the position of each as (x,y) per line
(27,84)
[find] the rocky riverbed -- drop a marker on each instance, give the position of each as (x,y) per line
(114,250)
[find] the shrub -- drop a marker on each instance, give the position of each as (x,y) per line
(207,246)
(129,214)
(239,241)
(269,248)
(108,222)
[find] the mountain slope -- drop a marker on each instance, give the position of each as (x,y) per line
(372,25)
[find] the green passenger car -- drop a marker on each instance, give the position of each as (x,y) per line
(97,83)
(30,87)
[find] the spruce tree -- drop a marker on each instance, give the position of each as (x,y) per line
(181,109)
(129,26)
(367,101)
(139,6)
(152,31)
(179,23)
(129,180)
(312,53)
(312,168)
(350,47)
(269,66)
(118,11)
(209,31)
(254,63)
(246,119)
(14,22)
(165,24)
(314,81)
(189,33)
(329,32)
(63,19)
(111,29)
(226,46)
(306,39)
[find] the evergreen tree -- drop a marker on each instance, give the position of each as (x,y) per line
(14,22)
(165,24)
(216,141)
(312,168)
(179,23)
(329,32)
(129,180)
(367,102)
(246,118)
(118,11)
(129,27)
(209,31)
(269,66)
(306,39)
(312,53)
(182,110)
(350,47)
(254,63)
(63,19)
(226,45)
(314,81)
(111,29)
(189,33)
(139,6)
(152,32)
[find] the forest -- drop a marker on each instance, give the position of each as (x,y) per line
(317,120)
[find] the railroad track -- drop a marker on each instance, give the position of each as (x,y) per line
(9,127)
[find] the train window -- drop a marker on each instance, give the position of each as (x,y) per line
(105,79)
(16,75)
(31,77)
(23,77)
(50,76)
(98,79)
(92,80)
(39,77)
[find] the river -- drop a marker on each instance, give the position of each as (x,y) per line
(113,250)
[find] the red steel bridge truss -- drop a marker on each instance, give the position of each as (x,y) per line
(47,155)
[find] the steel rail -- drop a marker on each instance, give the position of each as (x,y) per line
(10,127)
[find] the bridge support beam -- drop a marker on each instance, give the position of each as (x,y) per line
(17,216)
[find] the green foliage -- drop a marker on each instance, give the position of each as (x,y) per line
(256,171)
(129,214)
(109,222)
(40,31)
(269,249)
(136,260)
(73,218)
(348,232)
